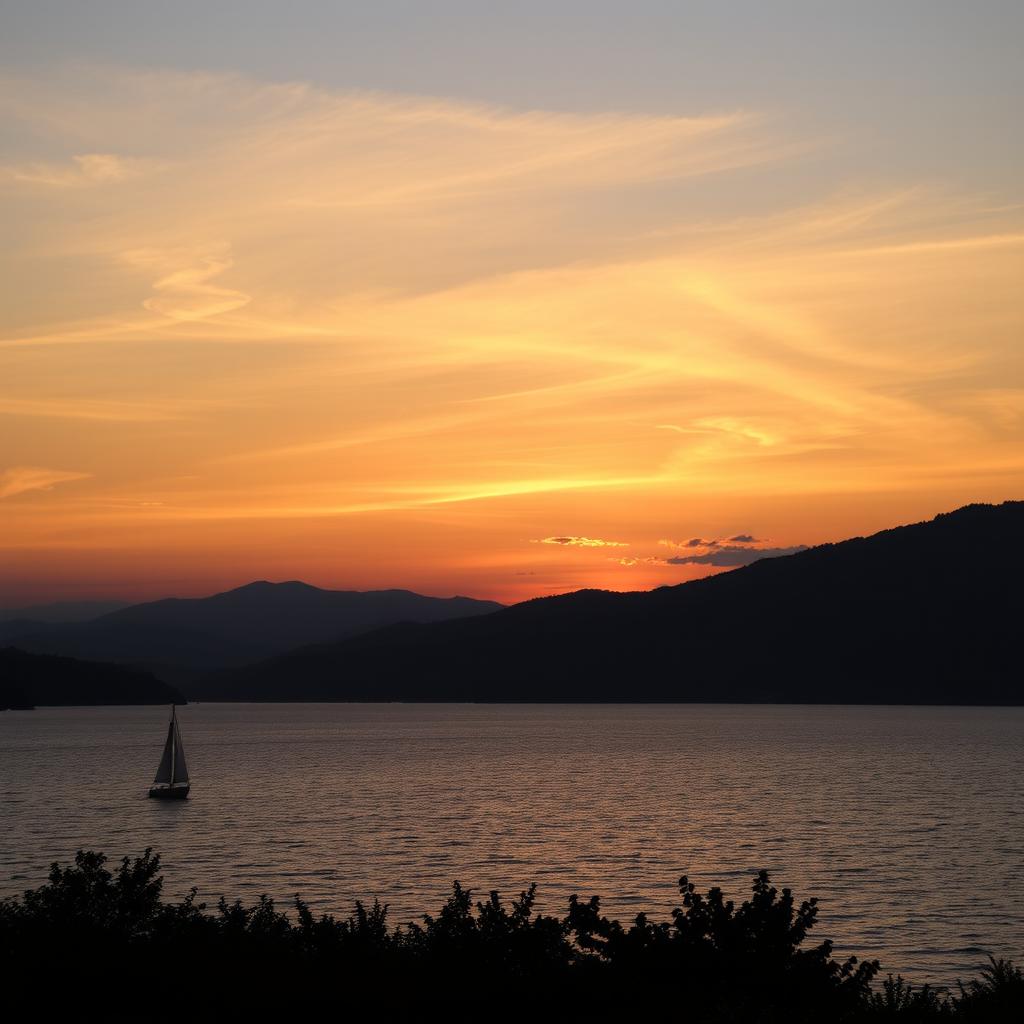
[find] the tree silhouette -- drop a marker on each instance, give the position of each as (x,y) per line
(101,942)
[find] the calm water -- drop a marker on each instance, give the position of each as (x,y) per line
(907,823)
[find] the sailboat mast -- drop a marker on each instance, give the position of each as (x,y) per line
(174,740)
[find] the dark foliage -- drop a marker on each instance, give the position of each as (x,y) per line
(104,943)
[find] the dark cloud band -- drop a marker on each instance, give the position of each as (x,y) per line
(733,555)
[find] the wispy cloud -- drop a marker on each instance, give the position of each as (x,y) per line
(307,304)
(82,170)
(700,542)
(582,542)
(734,551)
(21,479)
(184,288)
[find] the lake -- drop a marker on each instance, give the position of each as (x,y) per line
(907,823)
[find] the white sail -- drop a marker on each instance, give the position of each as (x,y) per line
(180,772)
(173,770)
(164,774)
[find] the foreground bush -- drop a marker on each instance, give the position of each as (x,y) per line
(104,944)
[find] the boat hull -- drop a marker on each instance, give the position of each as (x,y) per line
(169,792)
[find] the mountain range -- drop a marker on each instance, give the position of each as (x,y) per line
(182,638)
(60,611)
(927,613)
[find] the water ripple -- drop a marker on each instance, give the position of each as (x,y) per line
(905,822)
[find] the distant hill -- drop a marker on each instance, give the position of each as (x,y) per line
(60,611)
(929,613)
(38,618)
(180,637)
(28,680)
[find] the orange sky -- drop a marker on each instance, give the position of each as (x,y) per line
(262,330)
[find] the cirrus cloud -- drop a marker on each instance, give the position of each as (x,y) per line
(475,315)
(84,169)
(582,542)
(19,479)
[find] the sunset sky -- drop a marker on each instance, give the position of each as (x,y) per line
(499,300)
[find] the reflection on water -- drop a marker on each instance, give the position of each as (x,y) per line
(907,823)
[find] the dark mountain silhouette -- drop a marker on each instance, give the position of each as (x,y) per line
(929,613)
(28,680)
(36,619)
(178,637)
(60,611)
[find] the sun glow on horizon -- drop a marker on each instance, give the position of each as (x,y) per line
(255,329)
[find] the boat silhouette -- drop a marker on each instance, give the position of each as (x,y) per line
(171,782)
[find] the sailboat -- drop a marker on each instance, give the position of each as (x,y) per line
(171,782)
